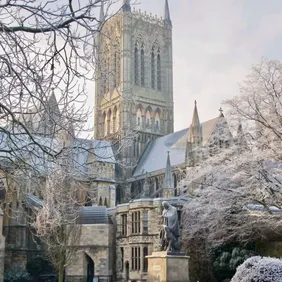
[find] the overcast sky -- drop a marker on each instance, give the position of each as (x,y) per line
(215,42)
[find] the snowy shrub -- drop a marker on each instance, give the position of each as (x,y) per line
(259,269)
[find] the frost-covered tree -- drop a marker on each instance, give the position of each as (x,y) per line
(227,186)
(259,269)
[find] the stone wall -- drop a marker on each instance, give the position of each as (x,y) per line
(96,243)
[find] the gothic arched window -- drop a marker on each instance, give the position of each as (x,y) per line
(115,120)
(159,76)
(153,82)
(157,121)
(139,118)
(136,64)
(148,118)
(142,66)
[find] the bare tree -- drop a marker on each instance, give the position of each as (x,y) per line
(48,53)
(55,221)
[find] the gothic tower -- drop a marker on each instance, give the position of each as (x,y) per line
(134,90)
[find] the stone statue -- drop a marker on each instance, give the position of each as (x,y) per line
(169,233)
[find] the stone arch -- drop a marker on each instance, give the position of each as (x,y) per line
(90,268)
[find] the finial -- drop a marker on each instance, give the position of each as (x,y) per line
(221,111)
(167,19)
(168,152)
(195,102)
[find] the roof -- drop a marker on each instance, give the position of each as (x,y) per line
(94,215)
(20,148)
(155,155)
(33,201)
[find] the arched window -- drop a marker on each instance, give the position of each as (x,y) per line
(157,121)
(106,202)
(159,76)
(105,125)
(142,66)
(139,118)
(153,82)
(148,118)
(100,202)
(136,64)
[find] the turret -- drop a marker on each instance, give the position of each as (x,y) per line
(167,19)
(195,129)
(168,189)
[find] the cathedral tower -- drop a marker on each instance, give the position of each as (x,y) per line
(134,90)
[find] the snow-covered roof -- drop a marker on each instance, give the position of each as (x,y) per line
(21,148)
(155,155)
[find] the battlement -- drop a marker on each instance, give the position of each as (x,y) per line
(147,17)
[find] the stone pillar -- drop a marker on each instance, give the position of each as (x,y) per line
(166,267)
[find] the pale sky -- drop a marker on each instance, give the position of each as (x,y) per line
(215,43)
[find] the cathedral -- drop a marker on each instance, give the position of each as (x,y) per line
(135,160)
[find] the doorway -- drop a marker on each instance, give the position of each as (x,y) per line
(90,269)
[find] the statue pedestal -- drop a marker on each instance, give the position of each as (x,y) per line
(168,267)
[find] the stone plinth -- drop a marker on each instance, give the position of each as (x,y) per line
(168,267)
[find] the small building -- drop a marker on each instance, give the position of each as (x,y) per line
(95,249)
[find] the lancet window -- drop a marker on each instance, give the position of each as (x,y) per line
(136,64)
(153,66)
(159,76)
(142,66)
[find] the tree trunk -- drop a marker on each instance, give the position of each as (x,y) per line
(61,273)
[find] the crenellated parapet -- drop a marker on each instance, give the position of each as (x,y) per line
(148,17)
